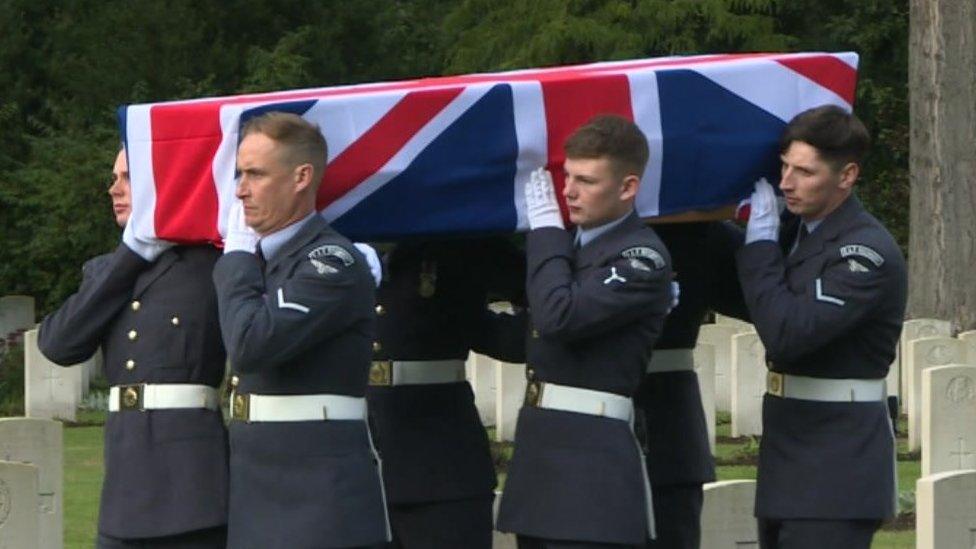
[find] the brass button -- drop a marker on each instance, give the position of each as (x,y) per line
(130,364)
(234,381)
(133,334)
(136,305)
(380,311)
(530,373)
(175,321)
(535,334)
(377,347)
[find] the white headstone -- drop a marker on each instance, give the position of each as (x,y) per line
(731,321)
(945,511)
(948,419)
(926,353)
(39,442)
(501,540)
(720,335)
(705,368)
(917,329)
(748,384)
(510,385)
(19,527)
(969,340)
(481,374)
(727,520)
(893,379)
(50,391)
(16,314)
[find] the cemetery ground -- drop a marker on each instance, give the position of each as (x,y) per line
(736,459)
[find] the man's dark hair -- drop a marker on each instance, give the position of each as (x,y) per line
(839,136)
(614,137)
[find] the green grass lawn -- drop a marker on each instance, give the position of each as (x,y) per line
(83,479)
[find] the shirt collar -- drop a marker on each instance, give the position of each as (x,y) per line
(812,225)
(271,243)
(585,236)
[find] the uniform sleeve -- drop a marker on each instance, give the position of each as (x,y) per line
(264,327)
(73,333)
(794,324)
(501,336)
(726,292)
(565,306)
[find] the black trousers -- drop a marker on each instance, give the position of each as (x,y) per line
(526,542)
(210,538)
(453,524)
(816,534)
(677,516)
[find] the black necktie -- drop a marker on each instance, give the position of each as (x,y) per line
(259,253)
(803,233)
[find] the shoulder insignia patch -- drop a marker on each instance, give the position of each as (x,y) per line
(856,266)
(644,255)
(860,250)
(320,256)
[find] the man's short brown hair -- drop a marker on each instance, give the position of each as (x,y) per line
(613,137)
(839,136)
(302,140)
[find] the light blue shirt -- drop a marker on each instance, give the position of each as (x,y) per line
(585,236)
(271,243)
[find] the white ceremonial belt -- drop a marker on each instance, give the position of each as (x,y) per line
(168,396)
(671,360)
(824,389)
(576,399)
(319,407)
(416,372)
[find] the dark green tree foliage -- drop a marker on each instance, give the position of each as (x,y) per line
(66,66)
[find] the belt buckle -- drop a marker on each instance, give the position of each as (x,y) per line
(775,383)
(240,407)
(533,393)
(381,373)
(131,397)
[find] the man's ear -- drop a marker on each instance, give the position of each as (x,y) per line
(303,177)
(849,174)
(628,190)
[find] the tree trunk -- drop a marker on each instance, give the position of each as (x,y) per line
(942,90)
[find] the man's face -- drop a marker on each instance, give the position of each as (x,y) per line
(120,191)
(594,194)
(813,187)
(267,186)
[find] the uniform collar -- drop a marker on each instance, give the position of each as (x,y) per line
(585,236)
(271,243)
(829,228)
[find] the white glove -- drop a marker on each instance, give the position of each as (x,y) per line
(147,248)
(540,201)
(373,260)
(764,214)
(675,295)
(240,237)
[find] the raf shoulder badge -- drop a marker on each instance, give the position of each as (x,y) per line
(326,258)
(859,257)
(643,258)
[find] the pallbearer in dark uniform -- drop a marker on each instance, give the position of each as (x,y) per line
(296,312)
(431,311)
(826,292)
(577,478)
(673,427)
(152,309)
